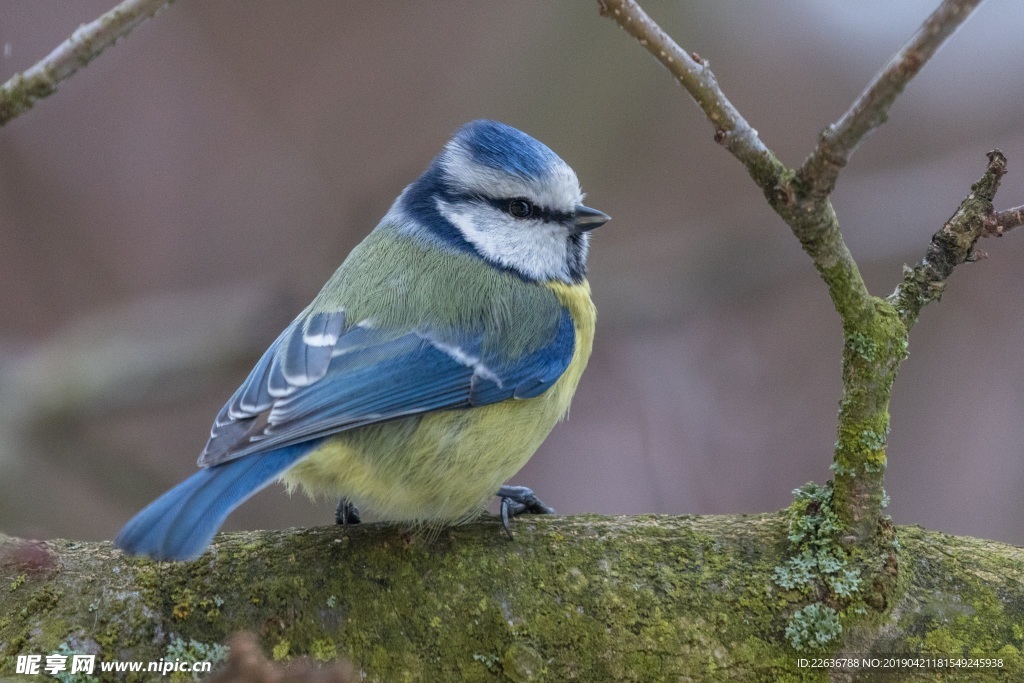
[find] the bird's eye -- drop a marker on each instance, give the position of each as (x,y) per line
(520,208)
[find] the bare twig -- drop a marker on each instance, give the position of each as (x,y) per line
(954,243)
(21,91)
(1001,221)
(838,141)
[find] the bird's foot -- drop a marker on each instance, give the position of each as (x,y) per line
(346,513)
(516,500)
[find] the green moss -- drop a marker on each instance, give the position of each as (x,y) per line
(875,346)
(323,650)
(18,582)
(861,444)
(21,94)
(183,605)
(44,599)
(596,599)
(282,650)
(974,621)
(521,663)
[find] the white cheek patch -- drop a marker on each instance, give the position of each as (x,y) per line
(537,249)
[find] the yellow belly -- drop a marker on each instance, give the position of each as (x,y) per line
(446,466)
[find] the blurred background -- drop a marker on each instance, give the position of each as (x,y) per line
(179,200)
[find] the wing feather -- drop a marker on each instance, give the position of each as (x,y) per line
(320,378)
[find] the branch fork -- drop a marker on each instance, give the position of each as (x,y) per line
(876,330)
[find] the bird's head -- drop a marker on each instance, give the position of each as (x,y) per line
(498,193)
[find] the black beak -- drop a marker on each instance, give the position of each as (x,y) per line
(585,219)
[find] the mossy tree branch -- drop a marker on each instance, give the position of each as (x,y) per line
(586,598)
(23,90)
(954,243)
(875,330)
(645,598)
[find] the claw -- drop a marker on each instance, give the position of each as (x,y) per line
(505,505)
(515,500)
(346,513)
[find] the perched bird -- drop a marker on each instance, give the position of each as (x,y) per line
(430,367)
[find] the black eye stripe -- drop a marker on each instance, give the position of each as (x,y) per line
(539,212)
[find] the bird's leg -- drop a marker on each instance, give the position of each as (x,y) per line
(346,513)
(515,500)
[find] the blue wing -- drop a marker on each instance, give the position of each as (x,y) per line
(322,376)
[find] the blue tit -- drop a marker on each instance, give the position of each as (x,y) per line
(430,367)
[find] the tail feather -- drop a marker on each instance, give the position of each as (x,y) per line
(180,524)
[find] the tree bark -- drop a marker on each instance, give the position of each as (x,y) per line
(586,598)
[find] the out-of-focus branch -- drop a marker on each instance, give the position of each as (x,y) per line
(869,111)
(20,92)
(65,403)
(142,354)
(953,244)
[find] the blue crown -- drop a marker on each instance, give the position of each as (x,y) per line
(504,148)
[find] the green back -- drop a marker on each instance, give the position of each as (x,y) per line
(398,282)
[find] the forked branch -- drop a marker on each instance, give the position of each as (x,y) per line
(875,330)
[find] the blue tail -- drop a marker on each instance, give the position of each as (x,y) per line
(180,524)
